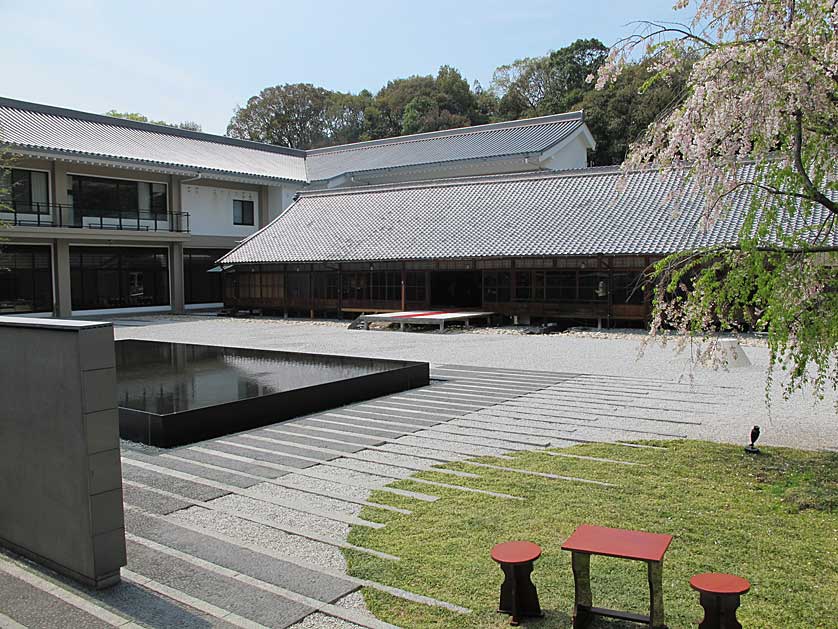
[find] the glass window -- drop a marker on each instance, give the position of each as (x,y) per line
(200,285)
(415,286)
(242,212)
(523,286)
(627,288)
(118,277)
(26,191)
(111,198)
(593,286)
(497,286)
(25,279)
(561,286)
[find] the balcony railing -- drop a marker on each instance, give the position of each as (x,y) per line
(57,215)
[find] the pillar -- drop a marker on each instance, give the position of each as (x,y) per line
(176,283)
(62,288)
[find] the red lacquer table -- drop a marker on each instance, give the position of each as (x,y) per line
(590,540)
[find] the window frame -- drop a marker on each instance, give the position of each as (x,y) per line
(240,204)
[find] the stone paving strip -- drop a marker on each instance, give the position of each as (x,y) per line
(232,489)
(258,549)
(318,473)
(193,601)
(292,530)
(37,600)
(356,617)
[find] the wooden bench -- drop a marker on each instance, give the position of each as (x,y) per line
(590,540)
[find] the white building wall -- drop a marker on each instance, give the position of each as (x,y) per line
(279,198)
(211,210)
(572,155)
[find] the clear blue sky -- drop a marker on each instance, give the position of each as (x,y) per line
(198,60)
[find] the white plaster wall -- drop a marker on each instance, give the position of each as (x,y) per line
(211,210)
(279,198)
(572,155)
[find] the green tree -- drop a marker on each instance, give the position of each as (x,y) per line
(552,84)
(187,124)
(292,115)
(620,113)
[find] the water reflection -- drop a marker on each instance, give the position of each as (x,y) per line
(164,378)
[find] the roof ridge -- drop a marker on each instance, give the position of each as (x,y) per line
(465,181)
(457,131)
(150,127)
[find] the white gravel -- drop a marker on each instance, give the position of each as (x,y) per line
(322,503)
(300,548)
(316,484)
(283,516)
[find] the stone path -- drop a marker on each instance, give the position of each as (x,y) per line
(247,530)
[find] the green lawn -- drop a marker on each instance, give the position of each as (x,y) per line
(772,519)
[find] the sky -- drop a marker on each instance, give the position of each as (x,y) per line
(198,61)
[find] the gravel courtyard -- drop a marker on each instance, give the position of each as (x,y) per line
(738,393)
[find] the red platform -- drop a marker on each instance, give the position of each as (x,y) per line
(601,540)
(717,583)
(516,552)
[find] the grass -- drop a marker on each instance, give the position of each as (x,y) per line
(772,519)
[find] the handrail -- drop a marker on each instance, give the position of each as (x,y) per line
(63,215)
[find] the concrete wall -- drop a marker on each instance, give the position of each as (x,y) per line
(60,474)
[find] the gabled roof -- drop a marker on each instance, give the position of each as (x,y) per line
(41,128)
(502,139)
(538,214)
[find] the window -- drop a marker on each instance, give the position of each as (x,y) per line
(202,277)
(117,277)
(628,288)
(26,191)
(496,286)
(561,286)
(415,286)
(385,286)
(242,212)
(325,285)
(25,279)
(112,198)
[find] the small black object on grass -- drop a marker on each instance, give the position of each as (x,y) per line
(751,448)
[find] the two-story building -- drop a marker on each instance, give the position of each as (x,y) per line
(105,214)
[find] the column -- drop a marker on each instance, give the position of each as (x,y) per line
(62,288)
(176,285)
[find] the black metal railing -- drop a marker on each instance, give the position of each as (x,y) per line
(59,215)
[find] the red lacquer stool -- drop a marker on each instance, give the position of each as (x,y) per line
(719,598)
(518,596)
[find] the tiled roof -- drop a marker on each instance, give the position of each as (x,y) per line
(52,129)
(541,214)
(519,137)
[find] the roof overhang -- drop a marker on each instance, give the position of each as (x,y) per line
(139,165)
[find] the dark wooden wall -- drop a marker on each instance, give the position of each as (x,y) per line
(581,288)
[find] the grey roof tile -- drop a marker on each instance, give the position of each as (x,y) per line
(519,137)
(44,128)
(542,214)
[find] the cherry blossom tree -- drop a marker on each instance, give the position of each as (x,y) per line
(757,126)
